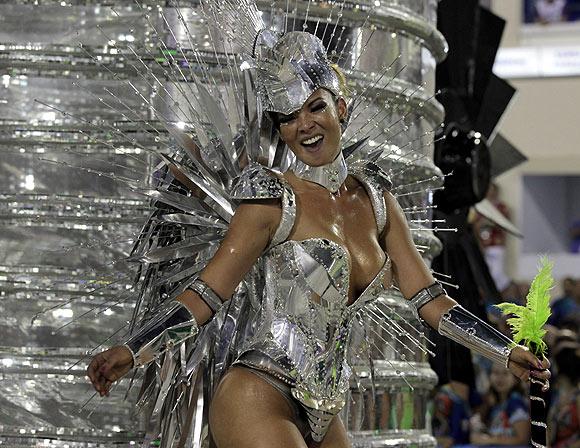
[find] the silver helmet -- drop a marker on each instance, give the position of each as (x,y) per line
(290,68)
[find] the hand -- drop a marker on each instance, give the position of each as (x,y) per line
(523,363)
(480,438)
(108,366)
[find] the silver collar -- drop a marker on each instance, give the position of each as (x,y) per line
(330,176)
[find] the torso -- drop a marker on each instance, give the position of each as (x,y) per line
(345,218)
(323,265)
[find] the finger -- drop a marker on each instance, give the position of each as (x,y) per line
(93,372)
(546,386)
(108,385)
(95,384)
(107,367)
(101,381)
(545,363)
(532,360)
(541,374)
(520,372)
(94,366)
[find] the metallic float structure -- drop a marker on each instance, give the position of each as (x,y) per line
(66,221)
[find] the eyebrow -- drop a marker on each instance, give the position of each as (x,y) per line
(314,100)
(293,114)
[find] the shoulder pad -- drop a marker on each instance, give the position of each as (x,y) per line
(257,182)
(373,172)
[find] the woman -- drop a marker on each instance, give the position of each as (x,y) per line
(328,238)
(507,420)
(564,414)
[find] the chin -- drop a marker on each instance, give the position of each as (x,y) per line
(318,159)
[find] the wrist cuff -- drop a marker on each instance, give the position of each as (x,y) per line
(172,324)
(461,326)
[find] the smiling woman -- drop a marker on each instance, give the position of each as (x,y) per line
(313,132)
(315,245)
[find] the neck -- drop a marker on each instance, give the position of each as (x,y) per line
(331,176)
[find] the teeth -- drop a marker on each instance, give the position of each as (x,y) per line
(312,140)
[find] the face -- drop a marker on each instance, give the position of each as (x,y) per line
(501,379)
(313,132)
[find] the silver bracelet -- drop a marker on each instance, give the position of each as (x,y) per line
(424,296)
(207,294)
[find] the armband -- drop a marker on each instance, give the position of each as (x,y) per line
(207,294)
(172,324)
(424,296)
(461,326)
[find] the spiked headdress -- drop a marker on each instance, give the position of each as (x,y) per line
(290,68)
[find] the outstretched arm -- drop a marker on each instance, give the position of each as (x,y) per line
(412,275)
(249,233)
(411,272)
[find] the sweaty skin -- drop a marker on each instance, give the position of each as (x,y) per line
(246,411)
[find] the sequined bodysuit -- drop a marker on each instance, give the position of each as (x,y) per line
(304,333)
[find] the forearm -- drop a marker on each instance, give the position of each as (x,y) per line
(432,311)
(451,320)
(173,322)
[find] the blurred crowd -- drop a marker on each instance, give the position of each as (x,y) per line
(493,408)
(495,411)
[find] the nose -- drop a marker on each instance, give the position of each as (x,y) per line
(305,121)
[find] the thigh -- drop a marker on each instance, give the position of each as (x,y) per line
(249,412)
(336,437)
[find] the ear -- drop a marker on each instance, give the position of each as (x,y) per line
(342,109)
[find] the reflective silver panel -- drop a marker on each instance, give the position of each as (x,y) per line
(65,225)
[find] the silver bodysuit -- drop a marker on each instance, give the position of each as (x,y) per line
(305,328)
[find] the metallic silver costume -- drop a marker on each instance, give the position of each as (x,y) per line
(303,336)
(304,331)
(290,320)
(306,318)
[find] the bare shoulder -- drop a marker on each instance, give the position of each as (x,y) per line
(258,214)
(395,214)
(391,200)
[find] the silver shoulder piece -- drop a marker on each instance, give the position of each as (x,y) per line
(425,295)
(375,181)
(461,326)
(257,182)
(172,324)
(288,216)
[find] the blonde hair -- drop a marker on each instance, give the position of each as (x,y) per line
(341,80)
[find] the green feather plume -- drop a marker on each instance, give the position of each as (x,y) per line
(528,321)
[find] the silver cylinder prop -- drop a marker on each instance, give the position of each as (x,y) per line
(72,165)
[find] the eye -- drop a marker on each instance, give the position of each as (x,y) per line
(286,119)
(318,106)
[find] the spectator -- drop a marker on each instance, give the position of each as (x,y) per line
(566,309)
(564,425)
(550,11)
(492,239)
(506,420)
(575,237)
(451,417)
